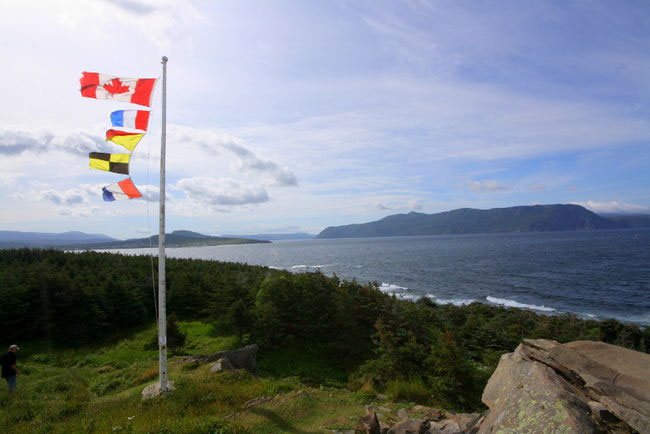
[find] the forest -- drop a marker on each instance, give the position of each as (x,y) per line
(374,341)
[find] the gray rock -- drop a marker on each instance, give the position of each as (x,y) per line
(153,390)
(614,376)
(369,424)
(403,414)
(411,426)
(464,420)
(242,358)
(222,364)
(257,401)
(445,426)
(527,396)
(548,386)
(434,415)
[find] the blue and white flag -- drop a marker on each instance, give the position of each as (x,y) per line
(136,119)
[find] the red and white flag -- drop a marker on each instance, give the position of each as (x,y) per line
(102,86)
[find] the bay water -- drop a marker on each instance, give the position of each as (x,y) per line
(594,274)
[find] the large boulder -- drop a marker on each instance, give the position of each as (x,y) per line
(528,396)
(242,358)
(545,386)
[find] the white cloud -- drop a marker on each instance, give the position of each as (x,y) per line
(410,205)
(72,197)
(79,212)
(613,207)
(221,191)
(162,22)
(17,141)
(193,144)
(485,185)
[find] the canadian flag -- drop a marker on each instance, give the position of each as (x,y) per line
(102,86)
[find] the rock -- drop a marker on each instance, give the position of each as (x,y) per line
(222,364)
(574,387)
(614,376)
(153,390)
(445,426)
(420,408)
(410,426)
(369,424)
(257,401)
(600,412)
(464,420)
(403,414)
(434,415)
(242,358)
(527,396)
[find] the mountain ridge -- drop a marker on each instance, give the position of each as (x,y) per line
(525,218)
(82,241)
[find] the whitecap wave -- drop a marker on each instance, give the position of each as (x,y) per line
(398,291)
(304,266)
(390,288)
(513,303)
(454,301)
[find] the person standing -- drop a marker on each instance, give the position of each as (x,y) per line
(9,369)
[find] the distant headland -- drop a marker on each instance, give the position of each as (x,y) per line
(535,218)
(82,241)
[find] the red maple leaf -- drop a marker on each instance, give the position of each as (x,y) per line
(115,86)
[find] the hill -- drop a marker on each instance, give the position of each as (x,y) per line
(536,218)
(15,239)
(82,241)
(175,239)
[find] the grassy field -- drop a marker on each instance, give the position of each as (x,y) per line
(98,390)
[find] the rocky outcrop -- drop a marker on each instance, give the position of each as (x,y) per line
(419,420)
(242,358)
(579,387)
(545,387)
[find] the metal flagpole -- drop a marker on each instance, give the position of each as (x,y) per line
(162,308)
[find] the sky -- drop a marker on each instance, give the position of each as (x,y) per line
(291,116)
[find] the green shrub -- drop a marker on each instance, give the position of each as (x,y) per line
(411,390)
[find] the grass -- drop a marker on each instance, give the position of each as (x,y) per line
(98,390)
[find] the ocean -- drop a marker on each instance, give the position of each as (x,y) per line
(594,274)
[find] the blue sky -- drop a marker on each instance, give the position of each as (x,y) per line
(289,116)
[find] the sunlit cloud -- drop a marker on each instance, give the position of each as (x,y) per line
(614,207)
(485,185)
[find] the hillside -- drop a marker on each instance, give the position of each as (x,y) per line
(175,239)
(536,218)
(81,241)
(15,239)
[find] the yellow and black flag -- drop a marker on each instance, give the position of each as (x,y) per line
(117,163)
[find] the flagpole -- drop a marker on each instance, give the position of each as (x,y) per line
(162,308)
